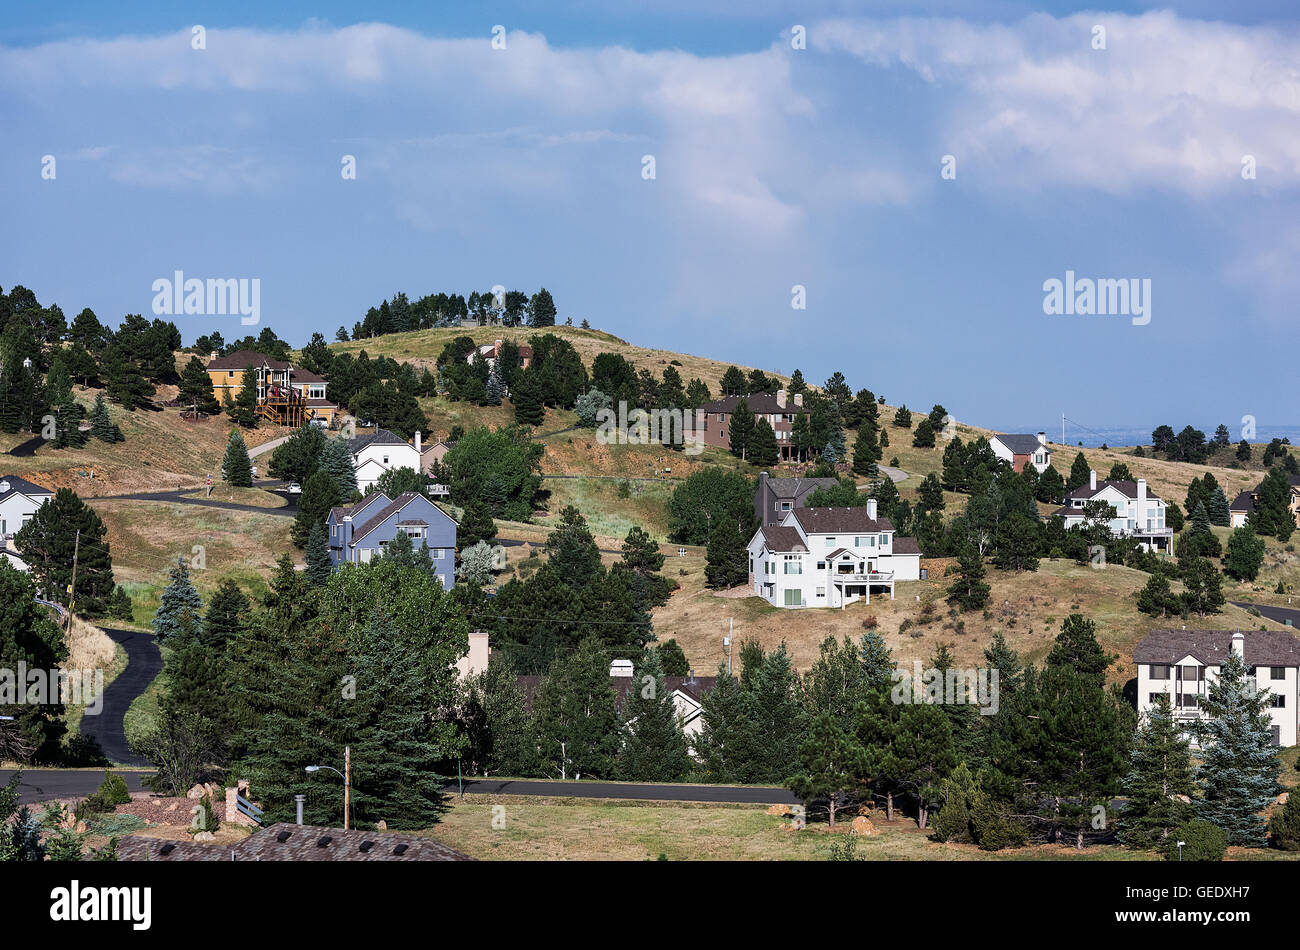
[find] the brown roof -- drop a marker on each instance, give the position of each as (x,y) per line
(1211,647)
(321,404)
(906,546)
(1243,502)
(396,505)
(289,842)
(836,520)
(305,376)
(344,511)
(759,403)
(779,538)
(1128,487)
(242,359)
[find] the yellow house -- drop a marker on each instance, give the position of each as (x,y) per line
(285,395)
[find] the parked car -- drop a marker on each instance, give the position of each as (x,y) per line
(294,488)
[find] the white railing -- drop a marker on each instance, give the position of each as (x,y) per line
(875,577)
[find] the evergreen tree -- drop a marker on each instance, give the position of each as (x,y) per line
(1001,657)
(866,452)
(119,605)
(27,636)
(831,764)
(673,659)
(1245,555)
(734,382)
(720,744)
(572,550)
(764,450)
(242,410)
(196,388)
(179,601)
(475,526)
(922,754)
(726,557)
(318,496)
(526,395)
(1239,764)
(1051,487)
(226,617)
(577,720)
(319,563)
(298,457)
(498,725)
(956,796)
(1284,826)
(1218,507)
(1157,599)
(742,430)
(772,720)
(903,418)
(654,749)
(336,462)
(968,591)
(1160,770)
(60,528)
(236,466)
(1016,544)
(1080,473)
(102,426)
(923,437)
(1202,585)
(541,309)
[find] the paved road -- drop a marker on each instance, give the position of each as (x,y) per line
(895,474)
(750,795)
(1280,614)
(143,663)
(178,497)
(28,448)
(39,785)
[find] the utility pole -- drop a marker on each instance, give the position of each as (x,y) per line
(1063,428)
(347,787)
(72,588)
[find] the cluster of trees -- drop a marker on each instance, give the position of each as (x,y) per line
(365,660)
(42,355)
(715,507)
(514,308)
(569,597)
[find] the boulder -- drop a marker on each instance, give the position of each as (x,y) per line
(862,826)
(779,810)
(204,836)
(381,825)
(196,792)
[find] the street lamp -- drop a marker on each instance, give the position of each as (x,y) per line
(1180,849)
(346,775)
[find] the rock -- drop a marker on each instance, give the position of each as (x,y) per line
(80,828)
(173,806)
(1181,798)
(862,826)
(205,836)
(1281,799)
(196,792)
(381,825)
(780,810)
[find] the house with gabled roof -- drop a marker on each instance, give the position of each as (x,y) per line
(1244,505)
(1021,450)
(19,500)
(362,532)
(374,453)
(1136,513)
(830,557)
(1182,664)
(780,409)
(286,394)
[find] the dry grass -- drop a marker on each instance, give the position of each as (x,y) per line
(256,497)
(89,648)
(1027,608)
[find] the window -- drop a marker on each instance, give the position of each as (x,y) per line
(821,591)
(385,459)
(435,554)
(1277,672)
(1191,674)
(1278,701)
(821,565)
(793,597)
(785,506)
(1153,698)
(793,564)
(830,542)
(1160,671)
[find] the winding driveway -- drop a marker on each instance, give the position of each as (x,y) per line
(143,664)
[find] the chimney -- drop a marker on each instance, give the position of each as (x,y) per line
(1142,499)
(1239,644)
(1092,479)
(213,356)
(417,443)
(780,398)
(621,669)
(871,508)
(798,400)
(298,800)
(1042,438)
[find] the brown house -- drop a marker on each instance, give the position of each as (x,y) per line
(779,409)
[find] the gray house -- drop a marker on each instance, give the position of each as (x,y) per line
(360,532)
(777,497)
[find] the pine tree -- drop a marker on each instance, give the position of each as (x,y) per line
(119,605)
(1245,554)
(968,591)
(475,525)
(336,461)
(236,466)
(102,426)
(720,744)
(242,410)
(1016,544)
(956,795)
(742,430)
(654,749)
(866,452)
(48,541)
(27,635)
(764,450)
(1160,770)
(727,560)
(319,564)
(572,550)
(923,437)
(1202,585)
(831,765)
(1239,766)
(179,599)
(772,719)
(196,388)
(1080,473)
(318,496)
(1157,599)
(1051,487)
(1284,827)
(226,616)
(526,396)
(577,720)
(1218,507)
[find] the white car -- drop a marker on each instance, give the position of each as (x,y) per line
(294,488)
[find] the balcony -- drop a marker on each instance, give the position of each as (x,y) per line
(874,577)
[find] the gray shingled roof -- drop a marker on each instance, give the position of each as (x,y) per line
(1244,502)
(759,403)
(289,842)
(906,546)
(1021,444)
(392,508)
(21,485)
(379,437)
(798,487)
(1125,486)
(1211,647)
(778,538)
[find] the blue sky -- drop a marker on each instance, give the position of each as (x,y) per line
(775,167)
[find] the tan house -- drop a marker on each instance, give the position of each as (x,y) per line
(286,395)
(433,454)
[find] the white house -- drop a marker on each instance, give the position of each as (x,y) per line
(1181,664)
(687,691)
(19,500)
(1137,513)
(1019,450)
(381,451)
(829,557)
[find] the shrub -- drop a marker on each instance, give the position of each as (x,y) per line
(1202,841)
(205,816)
(111,793)
(1284,827)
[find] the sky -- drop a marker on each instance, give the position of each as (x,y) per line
(916,174)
